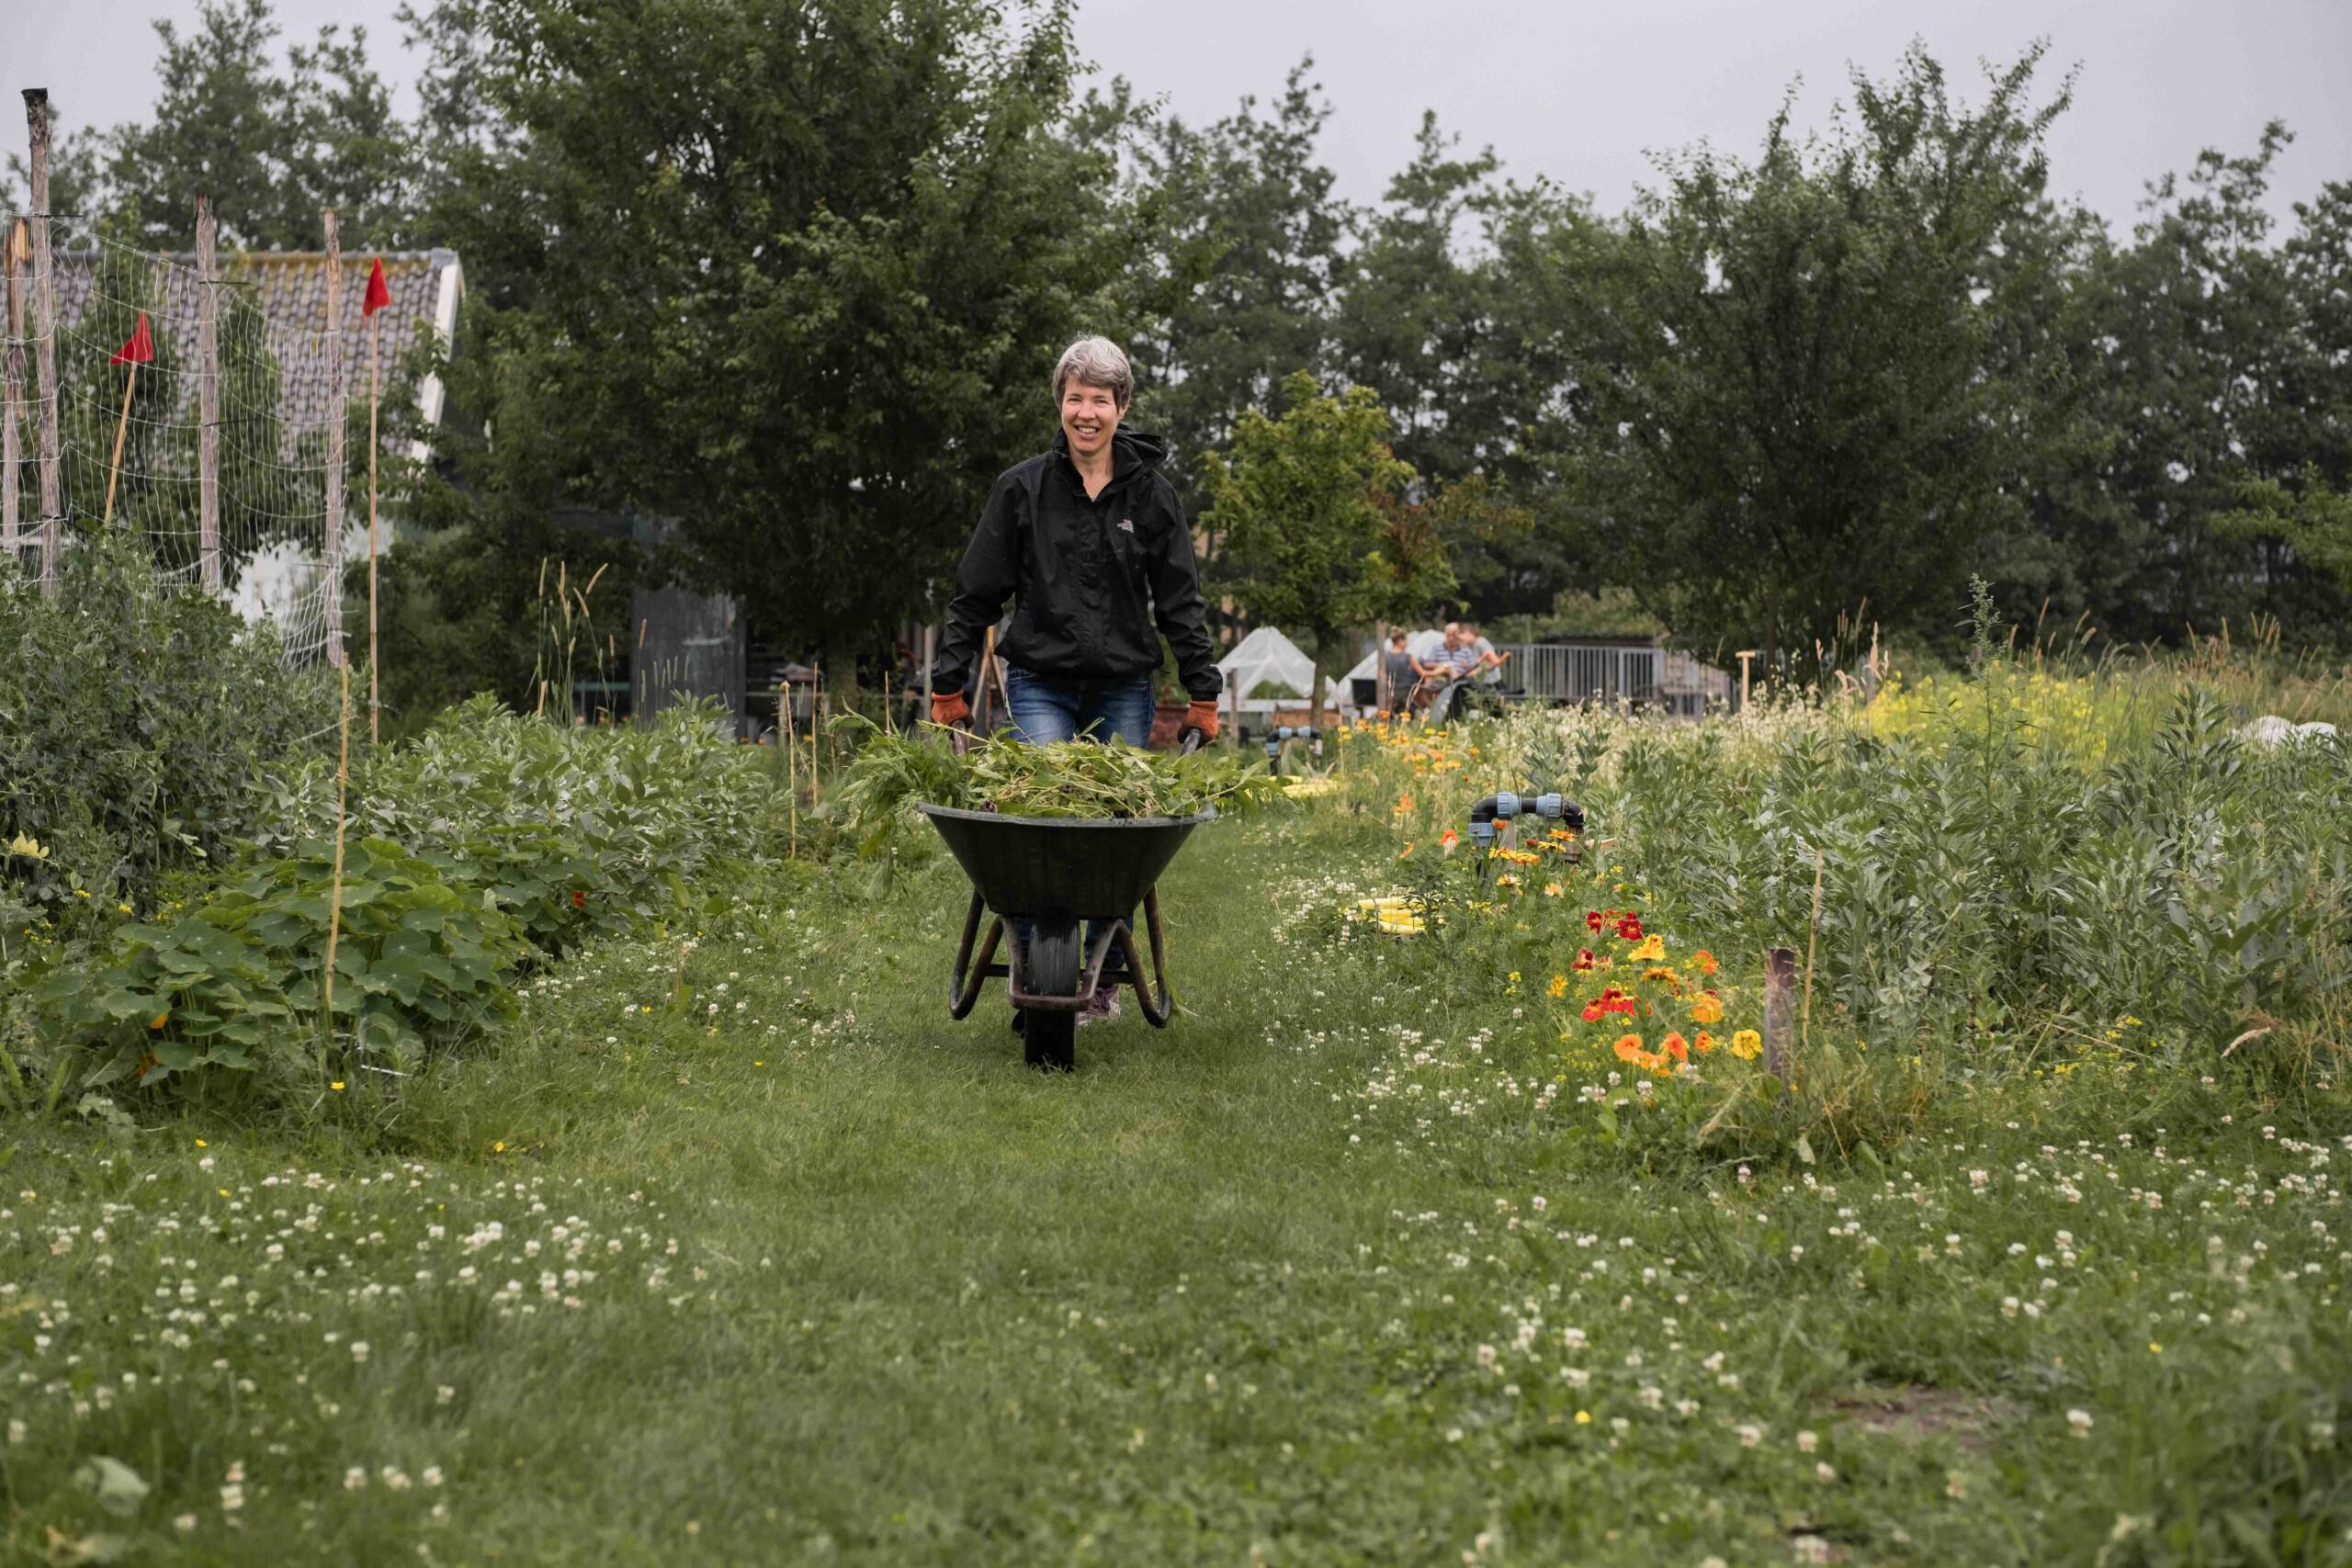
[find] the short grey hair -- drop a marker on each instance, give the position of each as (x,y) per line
(1096,362)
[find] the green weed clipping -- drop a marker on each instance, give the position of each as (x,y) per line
(891,774)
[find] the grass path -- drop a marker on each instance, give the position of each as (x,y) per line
(925,1306)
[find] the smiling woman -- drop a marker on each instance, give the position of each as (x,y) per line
(1089,542)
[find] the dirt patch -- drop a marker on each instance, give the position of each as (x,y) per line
(1913,1413)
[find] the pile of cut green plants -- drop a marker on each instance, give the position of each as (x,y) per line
(891,774)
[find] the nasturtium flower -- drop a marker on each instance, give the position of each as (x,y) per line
(1676,1046)
(1652,948)
(1703,1041)
(1593,919)
(1704,961)
(1708,1009)
(1746,1045)
(1584,958)
(1559,984)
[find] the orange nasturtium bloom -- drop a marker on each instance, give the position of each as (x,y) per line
(1629,1048)
(1708,1009)
(1704,961)
(1676,1046)
(1703,1042)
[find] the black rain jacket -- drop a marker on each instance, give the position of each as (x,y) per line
(1088,579)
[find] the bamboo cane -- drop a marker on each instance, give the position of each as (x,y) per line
(334,902)
(121,429)
(374,392)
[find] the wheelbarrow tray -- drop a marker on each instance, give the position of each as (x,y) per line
(1080,867)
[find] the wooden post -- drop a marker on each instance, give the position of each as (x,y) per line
(790,733)
(1811,945)
(208,399)
(12,390)
(1746,656)
(52,499)
(374,392)
(1779,1001)
(336,401)
(981,725)
(1380,666)
(341,797)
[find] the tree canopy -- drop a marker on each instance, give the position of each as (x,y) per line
(783,280)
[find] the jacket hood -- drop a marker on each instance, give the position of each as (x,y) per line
(1129,449)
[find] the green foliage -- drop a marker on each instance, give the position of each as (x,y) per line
(133,724)
(891,774)
(825,272)
(573,828)
(271,145)
(2313,520)
(1305,503)
(236,981)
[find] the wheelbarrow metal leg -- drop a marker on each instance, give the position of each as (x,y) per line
(964,991)
(1156,1009)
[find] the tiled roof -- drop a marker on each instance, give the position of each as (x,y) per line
(291,290)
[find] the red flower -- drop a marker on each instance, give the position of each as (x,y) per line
(579,899)
(1584,958)
(1630,929)
(1593,919)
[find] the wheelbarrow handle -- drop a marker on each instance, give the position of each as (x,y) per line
(1189,742)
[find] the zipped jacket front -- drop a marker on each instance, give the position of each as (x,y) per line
(1094,581)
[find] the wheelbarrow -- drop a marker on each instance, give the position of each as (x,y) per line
(1058,875)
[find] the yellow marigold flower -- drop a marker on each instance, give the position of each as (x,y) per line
(1746,1045)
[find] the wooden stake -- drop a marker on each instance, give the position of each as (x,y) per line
(1780,998)
(1812,941)
(52,489)
(335,905)
(988,667)
(374,392)
(1746,656)
(791,735)
(121,428)
(208,399)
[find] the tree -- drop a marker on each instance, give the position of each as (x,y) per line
(1794,410)
(791,273)
(1248,251)
(271,146)
(1306,503)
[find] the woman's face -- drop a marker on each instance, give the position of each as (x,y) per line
(1089,416)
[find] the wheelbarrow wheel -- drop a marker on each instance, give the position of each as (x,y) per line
(1049,1036)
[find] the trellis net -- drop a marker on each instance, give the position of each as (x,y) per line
(270,558)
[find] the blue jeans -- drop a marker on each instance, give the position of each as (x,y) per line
(1046,710)
(1117,711)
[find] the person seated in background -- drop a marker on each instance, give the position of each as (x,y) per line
(1444,674)
(1399,673)
(1490,663)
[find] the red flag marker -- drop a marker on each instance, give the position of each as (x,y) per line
(380,293)
(139,350)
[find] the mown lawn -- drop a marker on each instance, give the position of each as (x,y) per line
(746,1254)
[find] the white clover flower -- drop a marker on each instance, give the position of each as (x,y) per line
(2080,1420)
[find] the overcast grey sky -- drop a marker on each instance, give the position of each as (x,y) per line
(1580,92)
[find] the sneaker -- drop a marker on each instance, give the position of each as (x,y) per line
(1100,1008)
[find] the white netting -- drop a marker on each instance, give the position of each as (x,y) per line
(269,560)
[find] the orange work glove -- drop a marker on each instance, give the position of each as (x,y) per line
(1201,715)
(949,708)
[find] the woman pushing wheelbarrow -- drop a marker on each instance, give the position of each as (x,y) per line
(1089,541)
